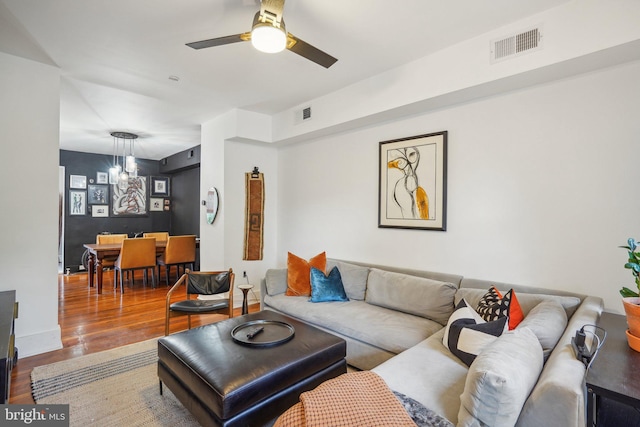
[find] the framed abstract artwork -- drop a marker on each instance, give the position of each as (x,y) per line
(413,182)
(77,202)
(129,198)
(100,211)
(156,204)
(102,178)
(160,186)
(77,181)
(97,194)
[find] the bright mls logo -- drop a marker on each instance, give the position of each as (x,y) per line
(35,415)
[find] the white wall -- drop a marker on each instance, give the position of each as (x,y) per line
(241,158)
(212,175)
(224,164)
(29,129)
(577,36)
(541,188)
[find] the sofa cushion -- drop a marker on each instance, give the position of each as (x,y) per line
(275,280)
(411,294)
(547,321)
(299,273)
(494,305)
(326,288)
(467,334)
(389,330)
(526,300)
(500,380)
(354,278)
(428,373)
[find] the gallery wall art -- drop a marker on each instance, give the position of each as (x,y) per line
(413,182)
(129,199)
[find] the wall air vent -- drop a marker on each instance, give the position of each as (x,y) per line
(302,115)
(516,44)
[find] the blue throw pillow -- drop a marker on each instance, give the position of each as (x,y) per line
(327,288)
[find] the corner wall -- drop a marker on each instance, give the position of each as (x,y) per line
(224,164)
(540,188)
(29,129)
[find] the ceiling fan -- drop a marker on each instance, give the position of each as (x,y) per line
(268,34)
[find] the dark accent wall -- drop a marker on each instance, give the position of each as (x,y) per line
(185,200)
(184,168)
(80,229)
(186,159)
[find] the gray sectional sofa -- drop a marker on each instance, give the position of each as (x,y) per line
(394,324)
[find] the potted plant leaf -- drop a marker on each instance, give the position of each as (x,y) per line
(631,298)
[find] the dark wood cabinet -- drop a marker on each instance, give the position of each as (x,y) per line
(613,389)
(8,351)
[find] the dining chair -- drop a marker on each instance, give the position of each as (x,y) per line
(161,236)
(103,239)
(136,254)
(180,251)
(205,283)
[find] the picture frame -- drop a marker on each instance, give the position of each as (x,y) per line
(102,178)
(160,186)
(100,211)
(77,202)
(413,182)
(77,181)
(97,194)
(129,198)
(156,204)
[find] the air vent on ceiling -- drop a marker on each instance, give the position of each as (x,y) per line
(517,44)
(303,115)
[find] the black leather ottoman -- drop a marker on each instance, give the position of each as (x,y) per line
(224,383)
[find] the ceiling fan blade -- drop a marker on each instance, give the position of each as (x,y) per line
(220,41)
(312,53)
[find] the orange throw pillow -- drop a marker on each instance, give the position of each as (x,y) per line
(515,311)
(299,273)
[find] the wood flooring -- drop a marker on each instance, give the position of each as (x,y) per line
(91,323)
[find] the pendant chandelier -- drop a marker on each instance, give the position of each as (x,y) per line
(125,166)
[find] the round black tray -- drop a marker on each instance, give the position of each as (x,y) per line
(274,332)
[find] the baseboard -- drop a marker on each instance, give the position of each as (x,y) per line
(30,345)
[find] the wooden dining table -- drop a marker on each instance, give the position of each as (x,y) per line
(98,252)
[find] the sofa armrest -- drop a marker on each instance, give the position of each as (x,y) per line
(558,398)
(263,292)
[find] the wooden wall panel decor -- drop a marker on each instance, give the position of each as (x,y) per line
(254,216)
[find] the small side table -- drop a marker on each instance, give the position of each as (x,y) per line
(613,391)
(245,290)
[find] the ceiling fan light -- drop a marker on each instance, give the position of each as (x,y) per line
(269,39)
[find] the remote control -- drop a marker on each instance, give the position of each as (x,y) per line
(255,332)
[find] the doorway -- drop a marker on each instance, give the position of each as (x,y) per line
(61,202)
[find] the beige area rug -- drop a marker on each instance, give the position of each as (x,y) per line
(116,387)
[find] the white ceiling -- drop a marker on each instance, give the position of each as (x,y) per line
(116,57)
